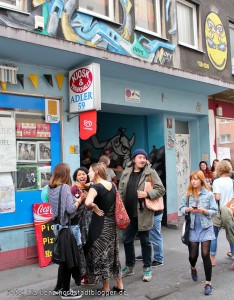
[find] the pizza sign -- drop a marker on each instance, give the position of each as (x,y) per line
(84,88)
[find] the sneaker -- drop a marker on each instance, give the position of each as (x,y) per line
(208,289)
(71,295)
(147,275)
(139,257)
(57,292)
(194,274)
(127,271)
(156,263)
(85,281)
(229,254)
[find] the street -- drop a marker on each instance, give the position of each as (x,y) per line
(170,281)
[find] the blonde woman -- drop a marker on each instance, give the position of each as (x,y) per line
(200,203)
(223,191)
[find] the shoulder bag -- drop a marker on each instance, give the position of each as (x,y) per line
(152,204)
(121,216)
(56,246)
(185,230)
(230,204)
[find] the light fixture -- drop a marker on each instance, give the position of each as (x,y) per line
(219,111)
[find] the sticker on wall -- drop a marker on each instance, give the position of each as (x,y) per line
(52,111)
(216,41)
(170,140)
(132,96)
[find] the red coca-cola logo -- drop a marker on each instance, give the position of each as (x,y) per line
(81,80)
(44,211)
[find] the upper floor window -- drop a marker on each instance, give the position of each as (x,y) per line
(19,5)
(231,30)
(187,24)
(148,16)
(106,9)
(225,138)
(224,121)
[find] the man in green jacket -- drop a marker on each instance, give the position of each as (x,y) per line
(131,189)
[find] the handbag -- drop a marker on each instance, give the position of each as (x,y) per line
(121,216)
(230,205)
(56,245)
(185,230)
(152,204)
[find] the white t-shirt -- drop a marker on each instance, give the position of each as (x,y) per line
(110,174)
(224,187)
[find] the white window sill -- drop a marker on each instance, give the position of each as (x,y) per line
(15,10)
(190,47)
(141,29)
(96,15)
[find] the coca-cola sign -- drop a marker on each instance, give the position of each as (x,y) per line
(44,226)
(44,211)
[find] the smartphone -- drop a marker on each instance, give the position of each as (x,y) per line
(194,207)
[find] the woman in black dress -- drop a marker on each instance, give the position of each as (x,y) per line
(102,246)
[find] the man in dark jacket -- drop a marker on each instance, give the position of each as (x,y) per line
(131,189)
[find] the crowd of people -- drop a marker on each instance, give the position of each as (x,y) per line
(87,215)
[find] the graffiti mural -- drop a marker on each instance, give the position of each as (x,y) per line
(216,41)
(63,20)
(119,146)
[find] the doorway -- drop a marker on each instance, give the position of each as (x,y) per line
(182,141)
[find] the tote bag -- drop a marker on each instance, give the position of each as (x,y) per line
(151,204)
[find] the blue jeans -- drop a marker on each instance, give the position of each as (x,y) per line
(129,235)
(156,239)
(213,247)
(75,230)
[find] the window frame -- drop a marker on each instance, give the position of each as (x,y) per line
(7,5)
(226,139)
(225,121)
(158,21)
(231,25)
(111,17)
(195,24)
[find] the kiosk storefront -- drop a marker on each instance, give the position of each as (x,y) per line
(29,149)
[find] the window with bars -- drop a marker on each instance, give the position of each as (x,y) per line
(148,16)
(187,24)
(106,9)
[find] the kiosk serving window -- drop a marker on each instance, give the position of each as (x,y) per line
(29,149)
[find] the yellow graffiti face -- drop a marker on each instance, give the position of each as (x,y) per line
(216,41)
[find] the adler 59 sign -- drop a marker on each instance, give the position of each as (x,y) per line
(84,88)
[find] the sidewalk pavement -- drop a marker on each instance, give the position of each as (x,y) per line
(170,281)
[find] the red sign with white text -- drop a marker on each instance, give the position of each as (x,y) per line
(42,213)
(88,124)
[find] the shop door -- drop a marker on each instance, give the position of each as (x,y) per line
(182,159)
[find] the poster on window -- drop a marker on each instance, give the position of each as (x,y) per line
(7,145)
(7,199)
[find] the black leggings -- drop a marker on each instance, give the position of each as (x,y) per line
(205,252)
